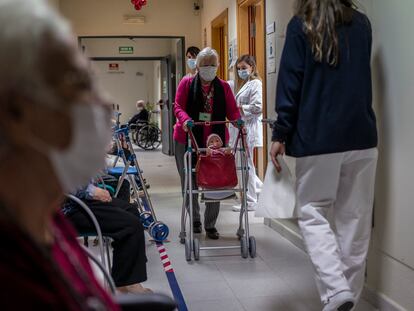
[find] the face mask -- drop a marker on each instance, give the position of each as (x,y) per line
(208,73)
(244,74)
(85,156)
(191,63)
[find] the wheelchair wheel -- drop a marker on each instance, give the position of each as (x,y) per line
(155,136)
(149,137)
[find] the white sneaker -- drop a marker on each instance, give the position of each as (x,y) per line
(343,301)
(237,208)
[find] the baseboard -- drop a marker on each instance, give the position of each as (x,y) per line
(381,301)
(288,233)
(378,300)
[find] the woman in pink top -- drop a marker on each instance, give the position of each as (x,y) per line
(203,97)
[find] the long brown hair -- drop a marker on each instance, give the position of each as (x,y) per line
(321,18)
(250,60)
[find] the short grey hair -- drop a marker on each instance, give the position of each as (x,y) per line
(206,53)
(24,26)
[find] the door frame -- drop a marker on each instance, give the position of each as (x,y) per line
(219,41)
(243,35)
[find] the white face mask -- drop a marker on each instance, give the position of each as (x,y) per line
(192,63)
(244,74)
(85,156)
(208,73)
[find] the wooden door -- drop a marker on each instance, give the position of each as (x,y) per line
(219,42)
(251,36)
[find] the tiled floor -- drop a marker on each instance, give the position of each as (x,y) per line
(278,279)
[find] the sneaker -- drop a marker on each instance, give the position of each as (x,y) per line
(343,301)
(237,208)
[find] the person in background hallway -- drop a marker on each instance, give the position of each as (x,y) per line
(141,116)
(49,110)
(249,99)
(203,97)
(191,54)
(325,120)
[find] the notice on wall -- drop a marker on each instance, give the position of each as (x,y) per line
(113,67)
(271,47)
(232,53)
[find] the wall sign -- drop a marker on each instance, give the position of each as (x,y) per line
(271,28)
(126,50)
(271,47)
(113,67)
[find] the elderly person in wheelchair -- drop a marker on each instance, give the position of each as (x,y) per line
(140,118)
(50,110)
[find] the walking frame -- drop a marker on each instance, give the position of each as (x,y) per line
(192,245)
(157,229)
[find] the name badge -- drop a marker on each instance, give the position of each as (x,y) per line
(206,117)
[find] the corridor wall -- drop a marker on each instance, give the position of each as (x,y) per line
(105,17)
(391,261)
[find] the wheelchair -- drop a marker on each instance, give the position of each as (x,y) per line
(146,135)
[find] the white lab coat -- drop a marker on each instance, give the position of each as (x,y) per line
(250,99)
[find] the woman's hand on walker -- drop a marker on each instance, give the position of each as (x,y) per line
(277,148)
(185,126)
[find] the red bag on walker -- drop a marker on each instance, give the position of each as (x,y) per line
(216,171)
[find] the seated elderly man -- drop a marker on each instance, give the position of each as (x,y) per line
(141,116)
(119,220)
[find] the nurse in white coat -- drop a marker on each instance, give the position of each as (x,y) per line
(249,99)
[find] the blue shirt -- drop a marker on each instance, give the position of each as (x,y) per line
(321,108)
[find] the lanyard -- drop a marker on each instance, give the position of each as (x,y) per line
(207,99)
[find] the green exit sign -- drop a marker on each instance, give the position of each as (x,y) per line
(126,50)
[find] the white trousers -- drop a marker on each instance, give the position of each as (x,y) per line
(254,184)
(335,194)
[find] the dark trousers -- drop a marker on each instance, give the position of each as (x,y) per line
(120,221)
(212,208)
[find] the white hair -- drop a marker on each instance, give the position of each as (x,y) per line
(25,27)
(206,53)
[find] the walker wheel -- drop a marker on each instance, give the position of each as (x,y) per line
(196,249)
(252,246)
(147,219)
(243,247)
(182,237)
(240,233)
(159,231)
(187,250)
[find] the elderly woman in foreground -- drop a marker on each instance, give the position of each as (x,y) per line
(203,97)
(49,109)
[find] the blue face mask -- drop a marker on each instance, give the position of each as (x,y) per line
(244,74)
(191,63)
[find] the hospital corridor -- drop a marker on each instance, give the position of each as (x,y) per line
(206,155)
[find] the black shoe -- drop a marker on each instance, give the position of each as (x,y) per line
(347,306)
(197,227)
(212,234)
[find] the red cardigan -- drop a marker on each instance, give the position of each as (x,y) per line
(180,111)
(31,283)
